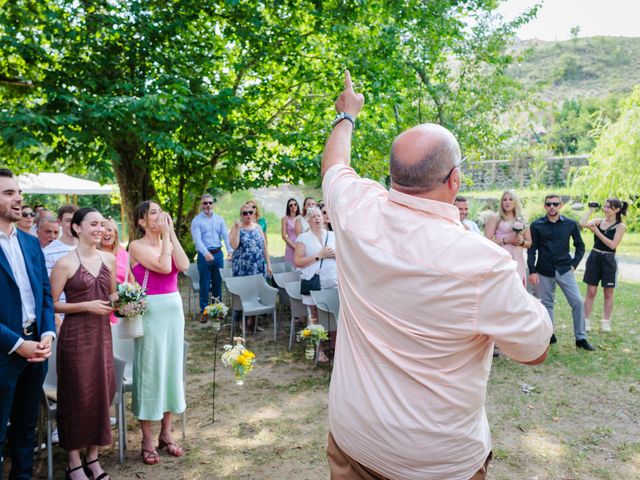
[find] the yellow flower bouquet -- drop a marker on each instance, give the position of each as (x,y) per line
(313,334)
(216,311)
(239,358)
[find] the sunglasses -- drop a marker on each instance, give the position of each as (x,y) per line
(551,204)
(446,179)
(247,212)
(293,205)
(207,203)
(28,214)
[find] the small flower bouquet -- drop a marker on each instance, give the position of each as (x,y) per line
(313,334)
(130,306)
(217,311)
(239,358)
(518,226)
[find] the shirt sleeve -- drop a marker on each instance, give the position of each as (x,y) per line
(578,243)
(531,252)
(224,234)
(197,237)
(517,322)
(343,190)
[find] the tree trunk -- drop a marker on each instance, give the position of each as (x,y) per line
(134,180)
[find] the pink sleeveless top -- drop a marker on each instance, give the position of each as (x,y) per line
(158,283)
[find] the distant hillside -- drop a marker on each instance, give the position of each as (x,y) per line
(583,67)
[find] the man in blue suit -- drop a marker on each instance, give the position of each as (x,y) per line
(27,330)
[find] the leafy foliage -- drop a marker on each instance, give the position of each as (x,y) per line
(171,99)
(614,167)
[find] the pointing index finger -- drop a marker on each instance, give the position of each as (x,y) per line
(347,80)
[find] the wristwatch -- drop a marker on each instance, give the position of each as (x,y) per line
(343,116)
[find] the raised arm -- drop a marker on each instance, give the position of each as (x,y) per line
(337,150)
(584,221)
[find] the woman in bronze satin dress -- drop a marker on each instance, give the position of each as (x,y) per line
(86,382)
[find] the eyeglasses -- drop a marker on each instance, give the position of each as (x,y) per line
(551,204)
(28,214)
(247,212)
(446,179)
(207,203)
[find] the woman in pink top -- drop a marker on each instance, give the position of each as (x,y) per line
(288,229)
(158,389)
(110,243)
(503,229)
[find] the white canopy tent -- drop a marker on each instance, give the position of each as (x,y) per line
(49,183)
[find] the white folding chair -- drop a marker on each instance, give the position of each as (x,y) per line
(298,309)
(194,286)
(253,296)
(280,279)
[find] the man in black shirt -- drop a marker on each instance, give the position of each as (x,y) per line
(554,264)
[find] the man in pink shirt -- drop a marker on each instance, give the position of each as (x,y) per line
(422,303)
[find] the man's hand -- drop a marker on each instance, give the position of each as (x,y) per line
(533,279)
(349,101)
(35,351)
(208,257)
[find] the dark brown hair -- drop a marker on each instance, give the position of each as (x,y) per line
(78,217)
(140,213)
(66,209)
(622,206)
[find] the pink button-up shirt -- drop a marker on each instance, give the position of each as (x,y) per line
(422,301)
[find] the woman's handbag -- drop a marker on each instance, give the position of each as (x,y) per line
(314,282)
(132,327)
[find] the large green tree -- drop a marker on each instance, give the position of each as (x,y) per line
(174,98)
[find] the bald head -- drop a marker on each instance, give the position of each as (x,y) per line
(421,157)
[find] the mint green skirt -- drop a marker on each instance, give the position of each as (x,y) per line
(158,385)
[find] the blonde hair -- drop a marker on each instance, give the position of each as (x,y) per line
(116,239)
(517,208)
(255,208)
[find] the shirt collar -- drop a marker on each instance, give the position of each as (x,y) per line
(560,219)
(444,210)
(13,234)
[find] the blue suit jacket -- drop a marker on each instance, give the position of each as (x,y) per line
(11,301)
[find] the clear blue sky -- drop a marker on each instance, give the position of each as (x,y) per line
(594,17)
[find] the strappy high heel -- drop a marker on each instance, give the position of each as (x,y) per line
(89,473)
(68,471)
(173,448)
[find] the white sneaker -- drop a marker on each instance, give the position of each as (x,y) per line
(587,324)
(605,325)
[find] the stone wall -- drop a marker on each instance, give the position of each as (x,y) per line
(519,173)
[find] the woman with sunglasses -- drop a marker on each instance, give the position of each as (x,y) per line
(288,229)
(504,229)
(26,221)
(250,252)
(301,222)
(602,266)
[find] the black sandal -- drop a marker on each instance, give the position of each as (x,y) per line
(68,471)
(89,473)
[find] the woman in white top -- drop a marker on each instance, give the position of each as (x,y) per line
(315,253)
(302,225)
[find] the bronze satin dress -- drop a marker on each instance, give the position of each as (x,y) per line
(86,381)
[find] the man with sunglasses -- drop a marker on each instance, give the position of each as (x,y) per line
(208,231)
(551,263)
(422,303)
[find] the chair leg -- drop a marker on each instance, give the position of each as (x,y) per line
(244,328)
(123,410)
(49,448)
(275,325)
(293,327)
(120,430)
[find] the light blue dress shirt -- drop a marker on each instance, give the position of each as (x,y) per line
(209,232)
